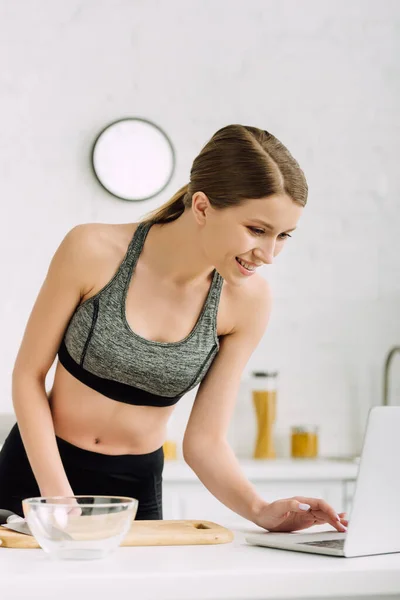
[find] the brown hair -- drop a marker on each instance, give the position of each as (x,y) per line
(238,163)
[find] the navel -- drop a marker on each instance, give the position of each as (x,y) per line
(96,441)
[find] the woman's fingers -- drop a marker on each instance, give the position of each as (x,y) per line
(343,519)
(320,505)
(323,512)
(320,520)
(325,518)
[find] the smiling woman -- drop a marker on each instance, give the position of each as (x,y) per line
(140,313)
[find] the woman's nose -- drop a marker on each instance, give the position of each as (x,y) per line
(268,258)
(267,252)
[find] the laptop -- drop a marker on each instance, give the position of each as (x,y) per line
(374,520)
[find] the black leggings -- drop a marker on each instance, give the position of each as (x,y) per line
(91,473)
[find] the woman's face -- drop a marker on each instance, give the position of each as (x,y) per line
(255,232)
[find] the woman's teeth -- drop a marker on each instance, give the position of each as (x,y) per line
(245,264)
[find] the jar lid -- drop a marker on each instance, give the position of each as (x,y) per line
(264,373)
(304,428)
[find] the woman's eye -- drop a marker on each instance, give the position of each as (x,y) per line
(256,230)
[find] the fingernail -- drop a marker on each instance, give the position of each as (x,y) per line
(304,506)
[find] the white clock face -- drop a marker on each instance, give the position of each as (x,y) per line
(133,159)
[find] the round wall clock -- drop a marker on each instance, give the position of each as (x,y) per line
(133,159)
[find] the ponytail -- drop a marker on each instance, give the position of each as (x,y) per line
(171,210)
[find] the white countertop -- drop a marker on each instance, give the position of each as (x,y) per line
(279,469)
(236,571)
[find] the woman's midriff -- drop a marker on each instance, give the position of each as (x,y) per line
(87,419)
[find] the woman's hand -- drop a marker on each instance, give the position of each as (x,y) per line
(66,497)
(294,514)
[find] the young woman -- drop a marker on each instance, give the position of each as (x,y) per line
(141,313)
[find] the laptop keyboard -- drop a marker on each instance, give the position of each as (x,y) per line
(339,544)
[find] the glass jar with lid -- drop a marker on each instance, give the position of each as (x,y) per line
(264,388)
(304,441)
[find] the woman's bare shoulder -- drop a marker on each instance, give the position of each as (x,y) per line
(239,300)
(103,239)
(256,287)
(102,247)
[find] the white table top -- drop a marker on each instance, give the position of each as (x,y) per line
(235,571)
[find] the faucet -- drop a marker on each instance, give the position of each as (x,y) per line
(386,375)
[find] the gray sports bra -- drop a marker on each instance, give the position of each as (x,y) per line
(101,350)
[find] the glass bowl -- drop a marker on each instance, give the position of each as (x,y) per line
(79,527)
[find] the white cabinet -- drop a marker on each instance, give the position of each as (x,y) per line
(194,501)
(185,497)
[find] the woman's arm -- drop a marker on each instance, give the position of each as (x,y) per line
(35,423)
(217,467)
(205,447)
(66,282)
(206,450)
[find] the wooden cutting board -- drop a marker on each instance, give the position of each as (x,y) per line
(145,533)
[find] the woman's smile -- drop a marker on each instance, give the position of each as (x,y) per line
(243,269)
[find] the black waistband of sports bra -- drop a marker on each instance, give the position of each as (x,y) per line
(141,464)
(121,392)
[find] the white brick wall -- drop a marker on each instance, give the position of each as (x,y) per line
(322,76)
